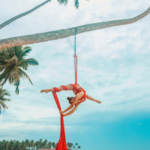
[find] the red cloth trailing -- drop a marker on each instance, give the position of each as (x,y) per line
(62,140)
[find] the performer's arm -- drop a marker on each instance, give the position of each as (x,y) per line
(67,109)
(70,112)
(93,99)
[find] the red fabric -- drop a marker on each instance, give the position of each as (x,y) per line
(84,96)
(55,89)
(64,87)
(62,140)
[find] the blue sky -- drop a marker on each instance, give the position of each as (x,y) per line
(113,67)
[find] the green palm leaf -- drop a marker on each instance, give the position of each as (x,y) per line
(23,74)
(17,87)
(3,104)
(77,3)
(25,51)
(31,61)
(63,1)
(27,62)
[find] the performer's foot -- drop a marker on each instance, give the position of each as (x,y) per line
(45,91)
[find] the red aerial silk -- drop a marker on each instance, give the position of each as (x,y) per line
(62,140)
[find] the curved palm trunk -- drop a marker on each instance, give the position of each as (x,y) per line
(2,25)
(63,33)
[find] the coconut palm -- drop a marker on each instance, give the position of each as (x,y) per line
(13,64)
(3,98)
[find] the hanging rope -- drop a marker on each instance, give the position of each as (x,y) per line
(75,57)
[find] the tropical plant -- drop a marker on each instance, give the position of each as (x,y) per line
(13,64)
(3,98)
(32,145)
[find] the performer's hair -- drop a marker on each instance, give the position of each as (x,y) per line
(69,99)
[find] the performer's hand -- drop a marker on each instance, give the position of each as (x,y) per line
(99,102)
(61,113)
(45,91)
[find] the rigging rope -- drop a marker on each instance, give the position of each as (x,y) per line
(75,57)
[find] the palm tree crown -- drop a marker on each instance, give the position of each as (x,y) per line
(13,63)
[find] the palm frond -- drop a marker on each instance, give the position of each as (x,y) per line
(3,93)
(23,74)
(18,52)
(77,3)
(63,1)
(3,105)
(17,86)
(32,61)
(26,62)
(2,67)
(25,51)
(6,93)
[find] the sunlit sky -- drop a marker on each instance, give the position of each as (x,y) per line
(114,66)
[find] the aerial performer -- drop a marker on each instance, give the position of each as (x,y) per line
(80,96)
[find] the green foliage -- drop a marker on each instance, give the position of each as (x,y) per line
(77,3)
(66,1)
(31,144)
(3,98)
(63,1)
(13,64)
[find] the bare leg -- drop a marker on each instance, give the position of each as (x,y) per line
(93,99)
(46,90)
(67,109)
(72,111)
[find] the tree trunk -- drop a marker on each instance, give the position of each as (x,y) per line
(63,33)
(22,14)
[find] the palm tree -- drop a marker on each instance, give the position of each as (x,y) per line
(13,64)
(3,99)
